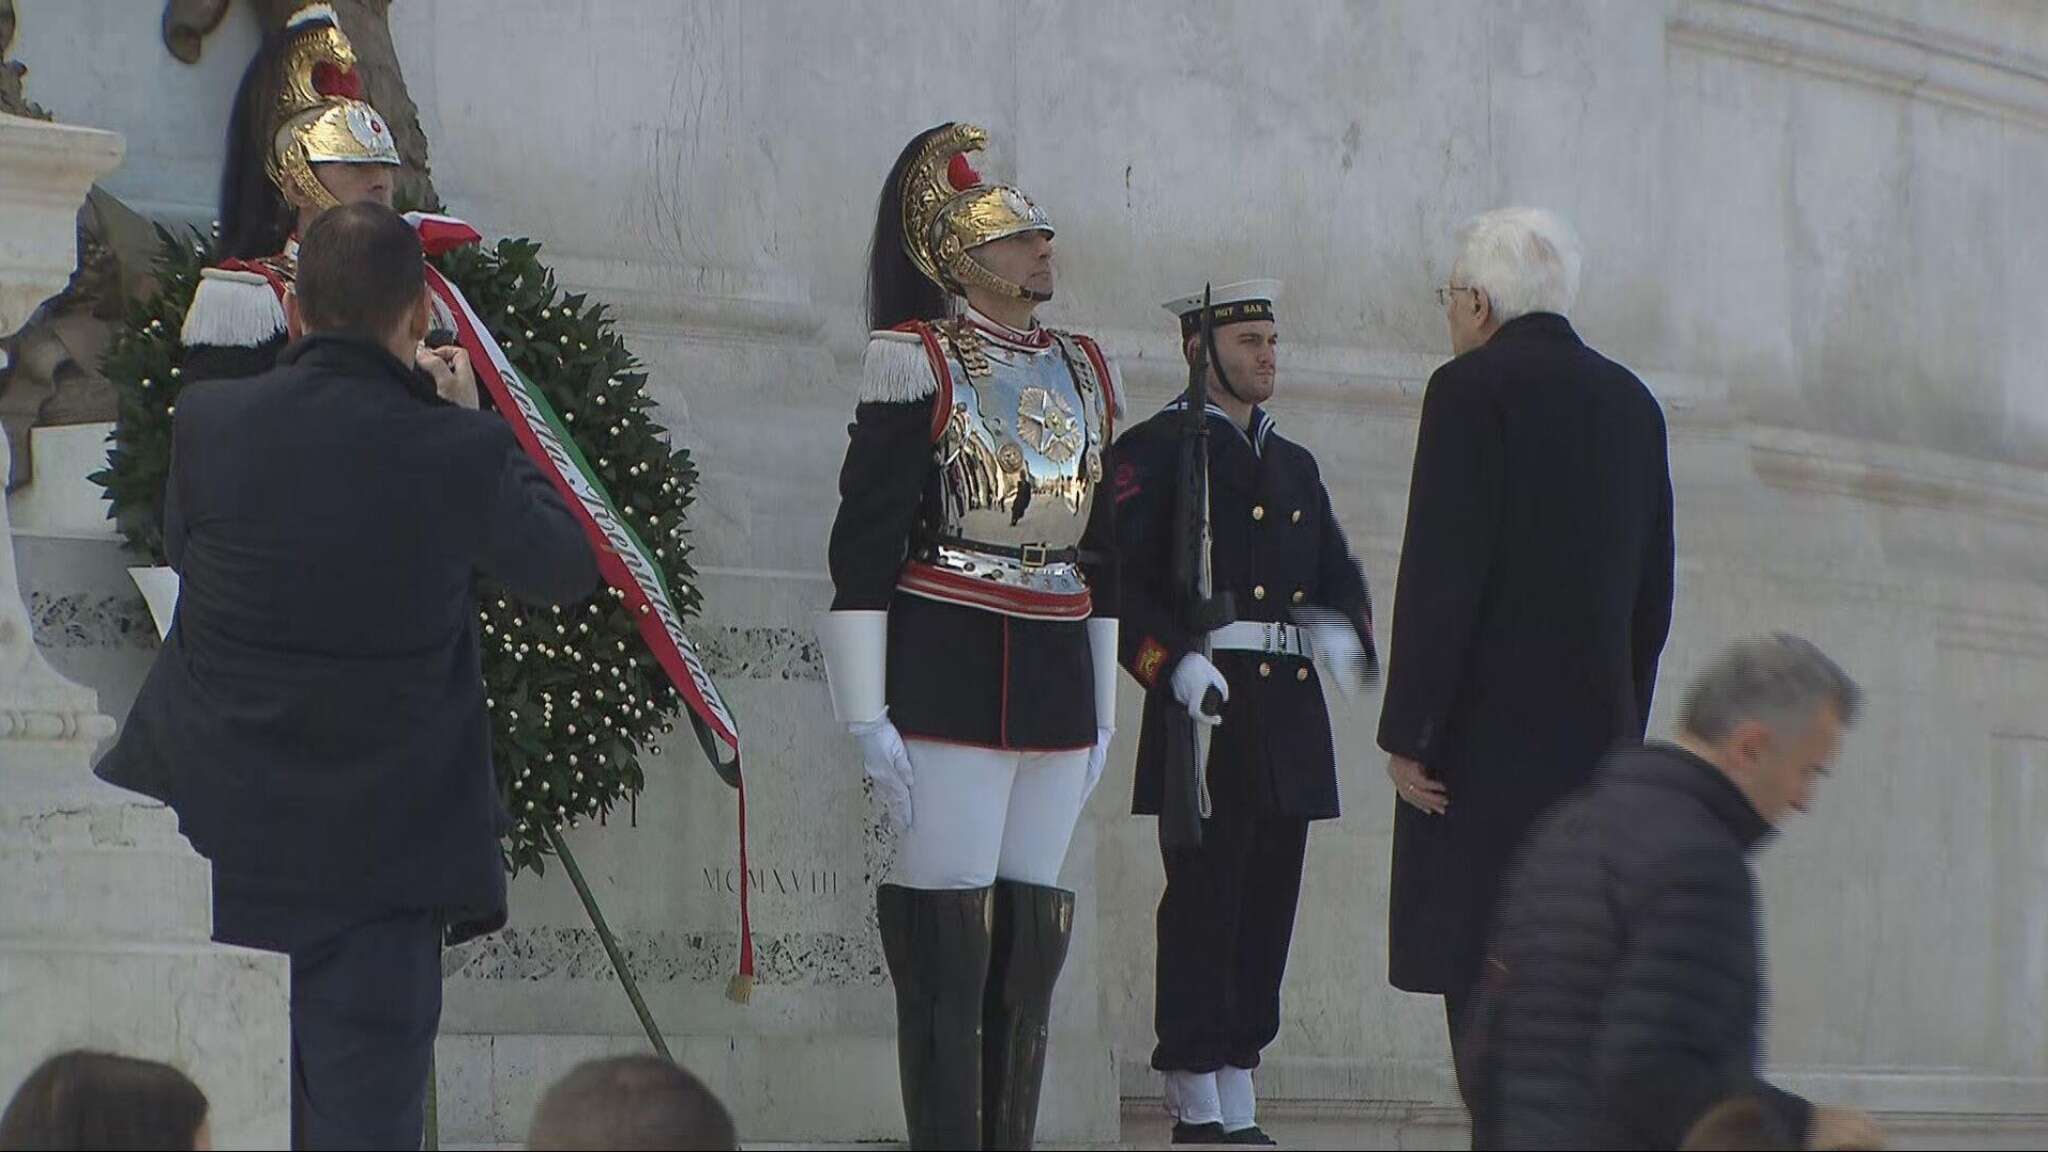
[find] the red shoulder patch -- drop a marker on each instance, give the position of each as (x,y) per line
(1127,482)
(1151,658)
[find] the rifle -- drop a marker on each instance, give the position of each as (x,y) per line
(1186,801)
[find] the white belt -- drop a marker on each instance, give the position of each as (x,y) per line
(1270,637)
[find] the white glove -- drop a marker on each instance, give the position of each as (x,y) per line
(888,764)
(1336,646)
(1097,757)
(1192,679)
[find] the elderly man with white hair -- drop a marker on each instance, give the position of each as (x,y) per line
(1534,594)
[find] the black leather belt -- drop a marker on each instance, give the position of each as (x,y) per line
(1029,555)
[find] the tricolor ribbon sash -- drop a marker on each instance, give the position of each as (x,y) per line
(625,561)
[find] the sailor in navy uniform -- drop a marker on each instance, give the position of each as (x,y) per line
(972,661)
(300,141)
(1228,913)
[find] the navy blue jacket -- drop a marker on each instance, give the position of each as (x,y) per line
(316,716)
(1277,547)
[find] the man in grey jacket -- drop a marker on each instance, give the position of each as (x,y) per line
(1622,997)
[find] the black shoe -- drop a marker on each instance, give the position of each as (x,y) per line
(1027,948)
(1210,1133)
(936,943)
(1250,1137)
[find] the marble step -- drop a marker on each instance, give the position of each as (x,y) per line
(796,1090)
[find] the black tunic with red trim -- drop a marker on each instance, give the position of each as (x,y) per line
(1277,547)
(959,674)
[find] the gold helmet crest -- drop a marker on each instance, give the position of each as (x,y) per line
(948,210)
(320,115)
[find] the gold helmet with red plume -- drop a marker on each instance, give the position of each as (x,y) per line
(948,210)
(320,116)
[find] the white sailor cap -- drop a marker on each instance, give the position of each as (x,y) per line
(1228,304)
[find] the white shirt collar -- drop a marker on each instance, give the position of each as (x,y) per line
(1261,422)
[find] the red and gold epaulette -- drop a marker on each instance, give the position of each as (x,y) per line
(239,303)
(905,364)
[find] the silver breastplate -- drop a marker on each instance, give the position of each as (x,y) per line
(1018,461)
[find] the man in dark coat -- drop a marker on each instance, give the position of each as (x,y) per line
(1227,917)
(1534,594)
(317,714)
(1624,992)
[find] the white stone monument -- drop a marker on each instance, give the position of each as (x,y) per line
(1811,225)
(105,911)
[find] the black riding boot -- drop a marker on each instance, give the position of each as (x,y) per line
(937,945)
(1032,926)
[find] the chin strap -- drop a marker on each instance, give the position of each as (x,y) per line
(1216,364)
(967,271)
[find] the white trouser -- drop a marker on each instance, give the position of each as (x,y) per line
(1224,1096)
(980,813)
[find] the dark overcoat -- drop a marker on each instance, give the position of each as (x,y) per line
(1532,606)
(317,715)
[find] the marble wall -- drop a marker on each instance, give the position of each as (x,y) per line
(1809,224)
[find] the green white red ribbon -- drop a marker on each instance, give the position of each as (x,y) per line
(625,561)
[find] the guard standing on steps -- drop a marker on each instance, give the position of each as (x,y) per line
(300,141)
(969,656)
(1227,916)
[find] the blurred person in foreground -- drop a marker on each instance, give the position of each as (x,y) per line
(630,1104)
(1738,1124)
(1623,996)
(81,1099)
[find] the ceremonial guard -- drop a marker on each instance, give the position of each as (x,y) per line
(1300,601)
(300,141)
(971,659)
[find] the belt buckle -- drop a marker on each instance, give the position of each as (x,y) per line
(1033,555)
(1288,640)
(1276,639)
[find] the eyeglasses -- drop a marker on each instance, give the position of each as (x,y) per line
(1444,294)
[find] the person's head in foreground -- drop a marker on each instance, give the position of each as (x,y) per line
(1740,1124)
(629,1104)
(95,1100)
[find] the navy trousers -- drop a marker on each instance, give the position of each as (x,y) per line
(366,1004)
(1225,923)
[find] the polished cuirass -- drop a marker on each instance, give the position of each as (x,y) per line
(1018,460)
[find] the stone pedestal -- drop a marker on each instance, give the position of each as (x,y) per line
(105,912)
